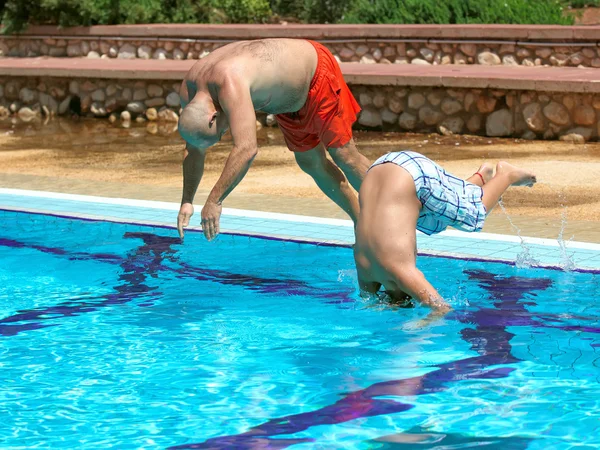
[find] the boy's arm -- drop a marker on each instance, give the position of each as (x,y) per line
(412,281)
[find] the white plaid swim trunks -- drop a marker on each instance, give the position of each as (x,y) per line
(446,199)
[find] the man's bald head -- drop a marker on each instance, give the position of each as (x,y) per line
(198,123)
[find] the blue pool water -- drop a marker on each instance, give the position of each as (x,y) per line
(118,336)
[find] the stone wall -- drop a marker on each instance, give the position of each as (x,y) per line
(439,52)
(31,98)
(499,113)
(368,52)
(494,113)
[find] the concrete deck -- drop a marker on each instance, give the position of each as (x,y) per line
(554,33)
(555,79)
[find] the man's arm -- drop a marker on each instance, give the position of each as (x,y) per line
(193,169)
(236,102)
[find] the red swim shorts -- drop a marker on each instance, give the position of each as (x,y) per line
(329,111)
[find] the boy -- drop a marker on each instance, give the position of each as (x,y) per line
(404,192)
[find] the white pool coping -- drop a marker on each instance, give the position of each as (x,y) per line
(454,243)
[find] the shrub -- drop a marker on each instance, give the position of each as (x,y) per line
(245,11)
(583,3)
(457,12)
(16,14)
(312,11)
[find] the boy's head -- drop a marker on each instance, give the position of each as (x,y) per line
(401,299)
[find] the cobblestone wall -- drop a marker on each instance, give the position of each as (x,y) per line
(31,98)
(523,114)
(410,52)
(498,113)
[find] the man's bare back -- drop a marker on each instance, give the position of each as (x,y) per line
(224,90)
(278,72)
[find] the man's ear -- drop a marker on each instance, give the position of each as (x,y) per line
(212,119)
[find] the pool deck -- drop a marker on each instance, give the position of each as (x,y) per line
(551,79)
(581,256)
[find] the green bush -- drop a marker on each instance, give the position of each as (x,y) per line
(288,8)
(457,12)
(245,11)
(16,14)
(583,3)
(311,11)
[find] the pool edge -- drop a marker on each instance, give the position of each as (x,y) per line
(301,229)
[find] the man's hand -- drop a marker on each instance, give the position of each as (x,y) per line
(211,214)
(183,218)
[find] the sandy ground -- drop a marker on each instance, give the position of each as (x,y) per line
(96,158)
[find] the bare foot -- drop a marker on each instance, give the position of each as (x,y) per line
(487,171)
(518,176)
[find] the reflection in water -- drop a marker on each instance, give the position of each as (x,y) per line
(148,261)
(489,338)
(486,333)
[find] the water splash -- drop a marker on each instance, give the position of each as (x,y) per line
(566,259)
(524,259)
(347,274)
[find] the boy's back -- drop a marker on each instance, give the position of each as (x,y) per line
(385,235)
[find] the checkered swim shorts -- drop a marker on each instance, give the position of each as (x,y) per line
(446,199)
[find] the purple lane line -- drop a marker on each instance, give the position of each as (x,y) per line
(513,312)
(147,261)
(489,339)
(142,263)
(287,239)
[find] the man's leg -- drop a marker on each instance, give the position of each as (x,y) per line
(329,179)
(506,175)
(352,162)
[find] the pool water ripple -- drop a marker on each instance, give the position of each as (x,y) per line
(118,336)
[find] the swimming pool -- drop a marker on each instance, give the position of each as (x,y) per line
(118,336)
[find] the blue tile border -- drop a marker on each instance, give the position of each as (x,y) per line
(321,231)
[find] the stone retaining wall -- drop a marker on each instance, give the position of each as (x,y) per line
(494,113)
(31,98)
(509,113)
(424,52)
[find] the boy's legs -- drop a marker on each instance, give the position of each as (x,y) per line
(482,176)
(506,175)
(386,241)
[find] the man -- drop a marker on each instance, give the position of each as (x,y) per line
(297,80)
(405,191)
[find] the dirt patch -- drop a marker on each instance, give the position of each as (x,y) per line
(98,152)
